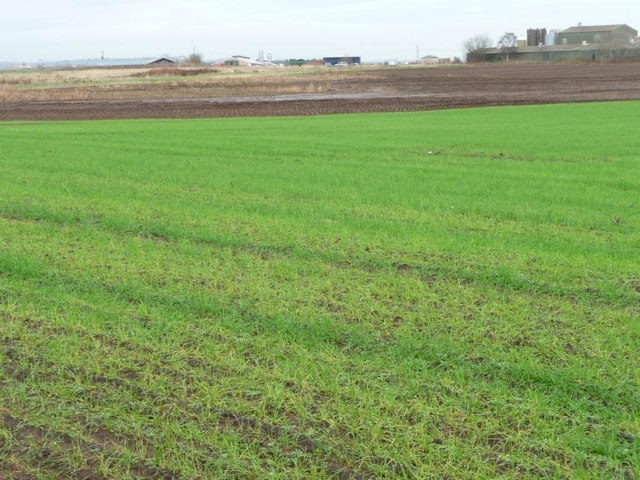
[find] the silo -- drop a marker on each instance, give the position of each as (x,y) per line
(536,36)
(551,38)
(542,38)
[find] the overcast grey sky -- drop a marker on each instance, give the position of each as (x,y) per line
(32,30)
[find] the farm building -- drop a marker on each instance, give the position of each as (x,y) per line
(341,60)
(162,62)
(242,61)
(555,53)
(581,43)
(434,60)
(430,60)
(541,53)
(596,34)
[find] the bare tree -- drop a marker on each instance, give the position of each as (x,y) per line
(472,46)
(508,43)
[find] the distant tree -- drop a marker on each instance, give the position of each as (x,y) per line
(474,45)
(508,43)
(195,59)
(457,60)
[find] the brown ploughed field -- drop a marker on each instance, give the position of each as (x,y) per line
(149,93)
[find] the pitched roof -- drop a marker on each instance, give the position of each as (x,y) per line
(162,60)
(592,28)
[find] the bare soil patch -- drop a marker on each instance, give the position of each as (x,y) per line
(328,91)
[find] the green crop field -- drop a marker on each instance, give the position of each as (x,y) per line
(446,295)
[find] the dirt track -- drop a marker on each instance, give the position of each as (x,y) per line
(337,91)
